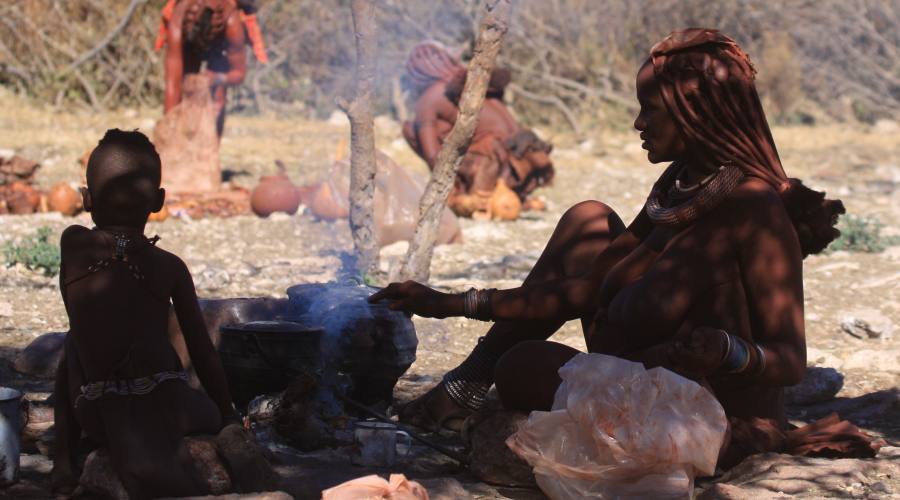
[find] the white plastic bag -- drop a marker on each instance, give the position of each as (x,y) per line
(617,430)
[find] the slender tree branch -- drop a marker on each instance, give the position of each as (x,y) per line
(417,264)
(362,139)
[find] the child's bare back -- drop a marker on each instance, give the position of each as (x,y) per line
(121,380)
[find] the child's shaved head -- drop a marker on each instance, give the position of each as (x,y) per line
(123,178)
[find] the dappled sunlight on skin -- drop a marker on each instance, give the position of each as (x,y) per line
(712,258)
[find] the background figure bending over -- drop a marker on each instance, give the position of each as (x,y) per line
(204,31)
(500,150)
(429,67)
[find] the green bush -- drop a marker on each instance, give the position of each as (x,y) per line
(861,234)
(35,252)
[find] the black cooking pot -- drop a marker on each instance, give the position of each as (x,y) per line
(262,357)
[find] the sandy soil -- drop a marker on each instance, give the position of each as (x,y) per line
(247,256)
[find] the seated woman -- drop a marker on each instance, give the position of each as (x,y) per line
(706,281)
(120,379)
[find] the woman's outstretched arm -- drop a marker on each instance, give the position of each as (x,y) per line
(559,299)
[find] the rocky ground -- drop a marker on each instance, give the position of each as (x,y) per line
(248,256)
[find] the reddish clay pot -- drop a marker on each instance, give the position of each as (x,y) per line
(274,193)
(325,205)
(504,203)
(63,199)
(21,198)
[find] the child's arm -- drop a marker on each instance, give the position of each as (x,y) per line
(67,432)
(200,348)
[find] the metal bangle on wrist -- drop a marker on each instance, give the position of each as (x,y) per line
(477,304)
(737,354)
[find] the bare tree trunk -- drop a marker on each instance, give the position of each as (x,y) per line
(417,265)
(362,139)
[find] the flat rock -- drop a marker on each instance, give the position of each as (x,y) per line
(774,475)
(41,357)
(490,459)
(818,385)
(99,477)
(246,459)
(867,323)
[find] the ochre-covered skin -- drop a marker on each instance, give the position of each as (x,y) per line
(659,293)
(225,52)
(488,157)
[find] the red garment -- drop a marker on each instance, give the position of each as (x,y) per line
(827,437)
(254,33)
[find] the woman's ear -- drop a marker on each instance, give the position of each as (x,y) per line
(159,201)
(86,199)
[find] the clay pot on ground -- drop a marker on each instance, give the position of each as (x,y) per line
(468,205)
(63,199)
(504,203)
(21,198)
(274,193)
(325,204)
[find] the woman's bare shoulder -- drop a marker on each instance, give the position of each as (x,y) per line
(756,206)
(754,199)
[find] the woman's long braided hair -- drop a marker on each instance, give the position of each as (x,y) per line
(708,85)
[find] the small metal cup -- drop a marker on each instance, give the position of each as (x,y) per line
(10,428)
(375,444)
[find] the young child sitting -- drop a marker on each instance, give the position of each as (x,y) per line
(120,379)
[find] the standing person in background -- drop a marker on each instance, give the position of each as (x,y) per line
(212,32)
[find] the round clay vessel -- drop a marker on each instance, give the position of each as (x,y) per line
(274,193)
(325,205)
(21,198)
(63,199)
(505,203)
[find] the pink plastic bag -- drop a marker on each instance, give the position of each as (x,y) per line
(376,488)
(617,430)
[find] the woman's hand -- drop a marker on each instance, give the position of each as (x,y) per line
(416,298)
(698,354)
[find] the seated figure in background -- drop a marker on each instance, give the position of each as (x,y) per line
(120,379)
(706,281)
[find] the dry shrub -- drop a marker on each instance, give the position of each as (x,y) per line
(779,79)
(573,61)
